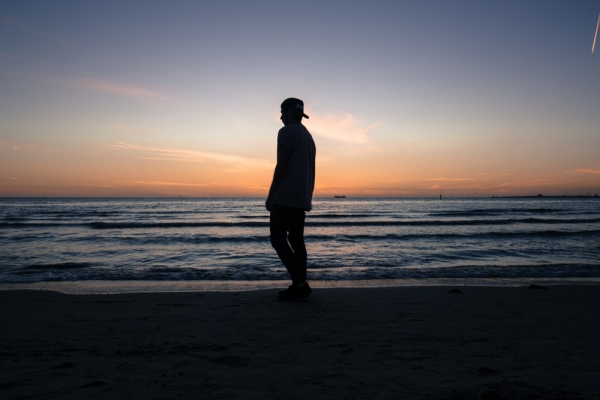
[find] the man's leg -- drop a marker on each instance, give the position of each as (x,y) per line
(296,238)
(279,225)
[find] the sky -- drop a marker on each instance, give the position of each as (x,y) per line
(405,98)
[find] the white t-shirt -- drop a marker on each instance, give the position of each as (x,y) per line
(296,188)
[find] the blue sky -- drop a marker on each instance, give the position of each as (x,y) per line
(406,97)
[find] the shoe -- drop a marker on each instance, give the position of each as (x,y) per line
(294,292)
(286,291)
(306,290)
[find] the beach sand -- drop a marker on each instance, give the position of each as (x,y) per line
(379,343)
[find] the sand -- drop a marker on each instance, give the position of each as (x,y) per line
(406,342)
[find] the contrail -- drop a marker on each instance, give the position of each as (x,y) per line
(596,34)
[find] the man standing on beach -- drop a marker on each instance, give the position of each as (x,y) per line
(290,196)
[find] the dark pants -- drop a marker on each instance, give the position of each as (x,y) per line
(287,224)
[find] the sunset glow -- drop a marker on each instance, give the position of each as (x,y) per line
(405,99)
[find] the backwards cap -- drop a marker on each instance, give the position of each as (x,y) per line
(293,104)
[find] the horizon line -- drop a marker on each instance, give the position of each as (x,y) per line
(314,198)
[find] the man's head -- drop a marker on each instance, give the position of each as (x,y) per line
(292,110)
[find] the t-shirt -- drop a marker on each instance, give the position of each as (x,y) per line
(296,188)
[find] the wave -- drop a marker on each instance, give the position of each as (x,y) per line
(309,222)
(15,219)
(251,224)
(441,236)
(325,273)
(37,224)
(496,211)
(325,216)
(136,225)
(315,238)
(59,266)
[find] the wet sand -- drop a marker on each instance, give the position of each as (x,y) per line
(380,343)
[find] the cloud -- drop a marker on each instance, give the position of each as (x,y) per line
(440,179)
(450,179)
(169,183)
(96,85)
(134,92)
(531,183)
(589,171)
(341,127)
(184,155)
(253,186)
(86,185)
(18,146)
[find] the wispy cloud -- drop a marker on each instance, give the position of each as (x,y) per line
(531,183)
(119,89)
(17,146)
(184,155)
(589,171)
(88,185)
(443,179)
(169,183)
(341,127)
(253,186)
(440,179)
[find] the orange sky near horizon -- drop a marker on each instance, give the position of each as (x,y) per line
(360,170)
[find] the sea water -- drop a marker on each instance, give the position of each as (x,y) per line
(227,240)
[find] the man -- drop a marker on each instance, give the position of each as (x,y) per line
(290,196)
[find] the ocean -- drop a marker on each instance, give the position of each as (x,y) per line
(123,241)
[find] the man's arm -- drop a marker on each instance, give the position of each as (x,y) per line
(284,154)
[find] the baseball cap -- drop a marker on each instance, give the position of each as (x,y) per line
(293,104)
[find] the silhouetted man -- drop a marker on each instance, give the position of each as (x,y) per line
(290,196)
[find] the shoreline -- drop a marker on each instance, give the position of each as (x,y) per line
(426,342)
(124,287)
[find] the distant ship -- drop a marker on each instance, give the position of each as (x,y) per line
(339,197)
